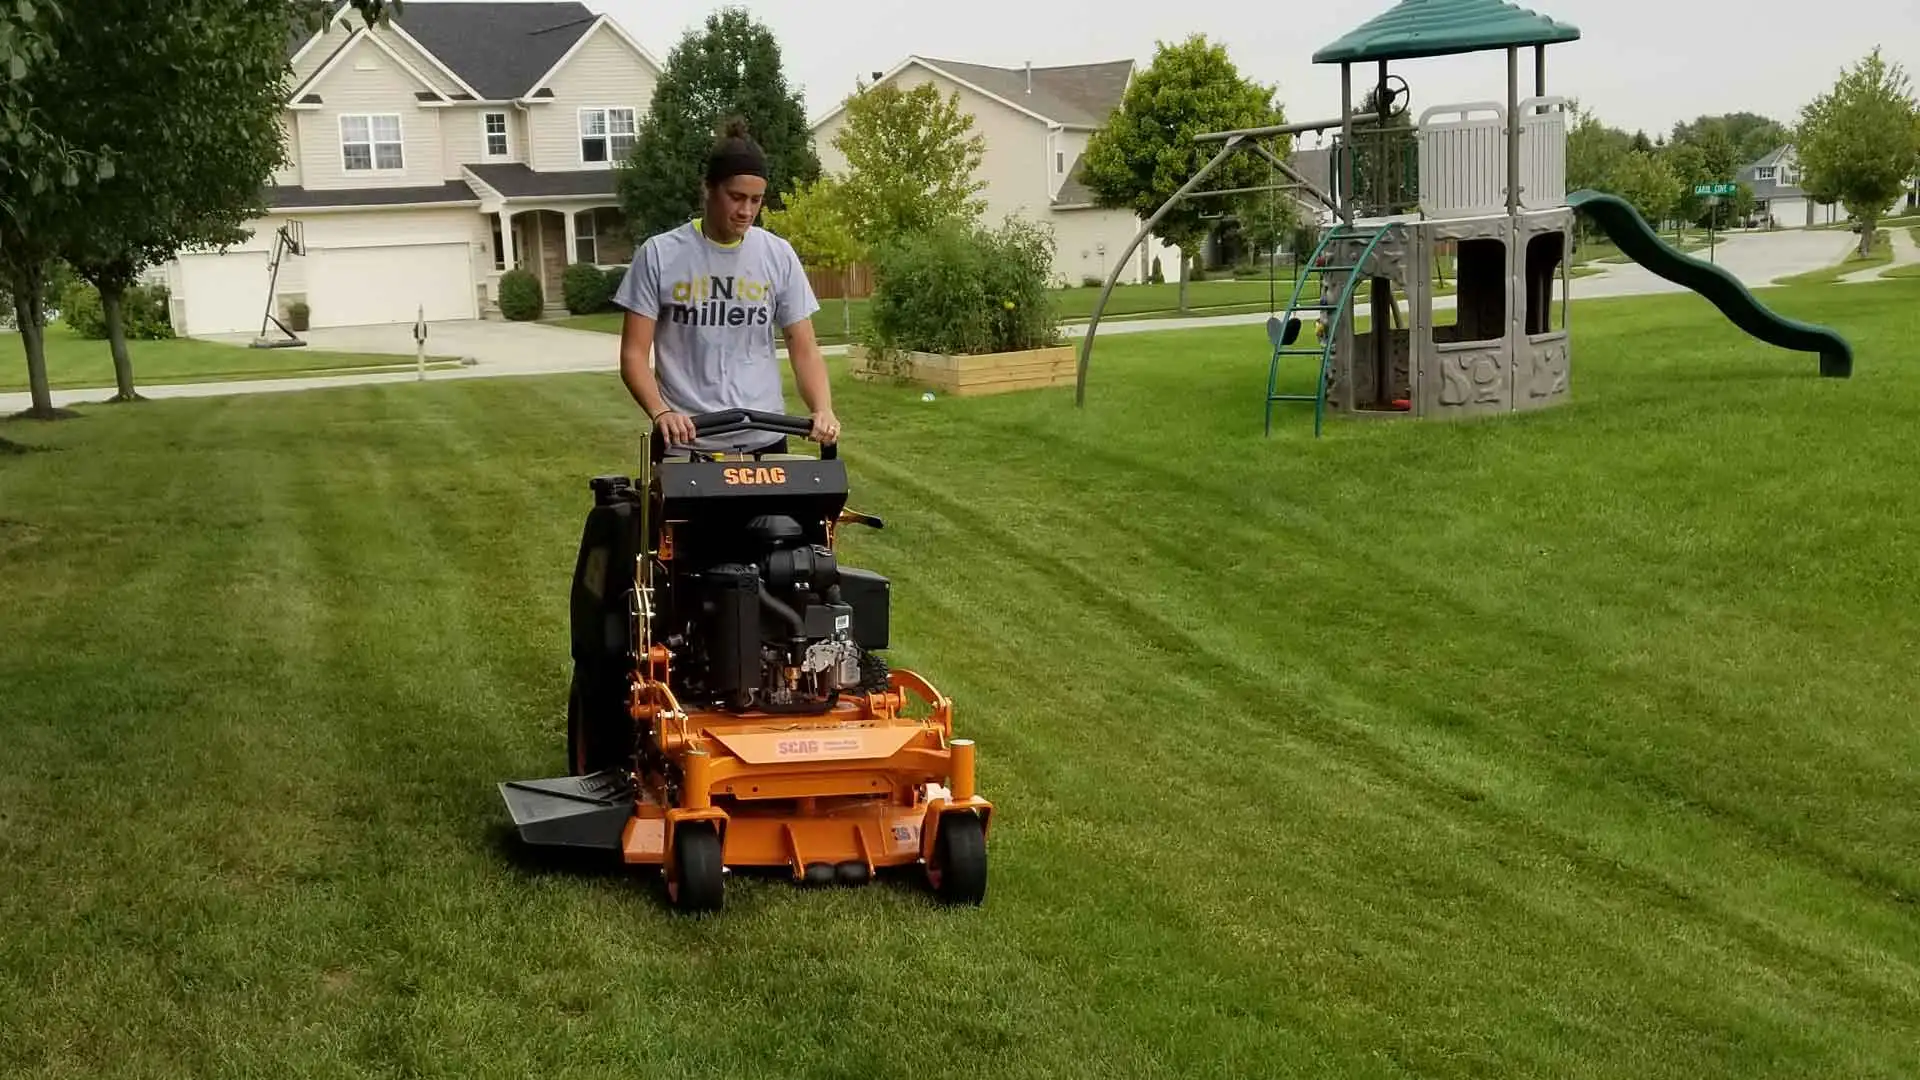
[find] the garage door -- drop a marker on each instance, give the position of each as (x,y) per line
(365,285)
(221,294)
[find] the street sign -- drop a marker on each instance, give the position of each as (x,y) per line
(1716,189)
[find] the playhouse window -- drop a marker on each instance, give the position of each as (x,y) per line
(1480,309)
(1544,255)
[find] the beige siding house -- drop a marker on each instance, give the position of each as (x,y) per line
(1036,122)
(430,155)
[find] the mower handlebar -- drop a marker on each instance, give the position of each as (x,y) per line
(728,421)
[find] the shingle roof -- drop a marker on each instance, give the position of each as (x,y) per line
(1081,95)
(499,49)
(291,197)
(1417,28)
(1075,192)
(516,181)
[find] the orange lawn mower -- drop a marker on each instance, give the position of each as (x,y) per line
(729,705)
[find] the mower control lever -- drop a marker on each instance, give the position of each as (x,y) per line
(855,517)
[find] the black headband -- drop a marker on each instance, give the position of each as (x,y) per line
(736,157)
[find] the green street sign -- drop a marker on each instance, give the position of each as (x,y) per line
(1715,189)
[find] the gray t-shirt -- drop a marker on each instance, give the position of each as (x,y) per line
(717,308)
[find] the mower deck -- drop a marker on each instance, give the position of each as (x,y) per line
(832,797)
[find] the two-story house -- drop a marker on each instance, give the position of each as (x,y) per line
(428,156)
(1036,122)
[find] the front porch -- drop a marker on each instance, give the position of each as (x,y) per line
(546,238)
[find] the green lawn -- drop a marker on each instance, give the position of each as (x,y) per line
(1882,254)
(74,362)
(1578,744)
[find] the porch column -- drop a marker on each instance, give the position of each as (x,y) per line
(573,237)
(506,238)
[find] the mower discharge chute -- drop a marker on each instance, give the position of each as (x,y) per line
(729,707)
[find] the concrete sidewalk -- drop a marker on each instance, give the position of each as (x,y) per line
(1905,253)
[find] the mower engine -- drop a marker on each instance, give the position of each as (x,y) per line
(775,633)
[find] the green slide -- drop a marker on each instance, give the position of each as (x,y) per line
(1637,240)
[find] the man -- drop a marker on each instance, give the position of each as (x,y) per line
(703,301)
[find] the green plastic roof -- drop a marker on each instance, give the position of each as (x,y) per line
(1416,28)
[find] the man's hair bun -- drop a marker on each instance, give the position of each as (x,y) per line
(734,128)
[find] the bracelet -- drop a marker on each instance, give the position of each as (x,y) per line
(655,418)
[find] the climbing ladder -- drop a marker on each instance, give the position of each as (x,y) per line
(1284,332)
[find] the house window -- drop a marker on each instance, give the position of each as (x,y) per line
(371,143)
(606,135)
(1765,172)
(496,134)
(586,242)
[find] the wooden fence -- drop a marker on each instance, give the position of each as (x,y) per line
(855,283)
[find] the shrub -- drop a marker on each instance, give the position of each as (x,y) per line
(520,296)
(143,312)
(587,289)
(1157,277)
(959,289)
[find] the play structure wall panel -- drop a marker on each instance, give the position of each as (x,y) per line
(1543,154)
(1463,160)
(1541,361)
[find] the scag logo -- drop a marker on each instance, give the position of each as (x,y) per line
(761,474)
(797,747)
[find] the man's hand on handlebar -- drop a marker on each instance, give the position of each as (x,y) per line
(675,427)
(826,427)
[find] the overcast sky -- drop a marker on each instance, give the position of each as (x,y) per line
(1641,64)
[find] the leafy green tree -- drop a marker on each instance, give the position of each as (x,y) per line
(55,161)
(1146,150)
(1751,135)
(815,221)
(1647,181)
(1860,141)
(730,68)
(1594,151)
(912,163)
(207,96)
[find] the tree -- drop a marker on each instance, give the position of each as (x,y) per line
(52,162)
(816,223)
(1860,141)
(1751,135)
(1647,181)
(1146,150)
(207,95)
(1594,151)
(912,159)
(731,68)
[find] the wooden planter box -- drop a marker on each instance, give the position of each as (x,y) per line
(982,373)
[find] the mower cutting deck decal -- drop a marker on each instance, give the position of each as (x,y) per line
(729,705)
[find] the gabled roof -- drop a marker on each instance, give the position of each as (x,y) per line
(1074,191)
(1079,95)
(501,51)
(1418,28)
(1073,95)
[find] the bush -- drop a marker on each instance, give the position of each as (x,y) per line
(520,297)
(586,288)
(1157,277)
(143,312)
(960,290)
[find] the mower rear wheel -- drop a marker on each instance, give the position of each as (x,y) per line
(958,871)
(699,881)
(594,742)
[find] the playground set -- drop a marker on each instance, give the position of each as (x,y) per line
(1484,180)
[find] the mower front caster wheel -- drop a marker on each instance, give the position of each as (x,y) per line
(958,871)
(698,881)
